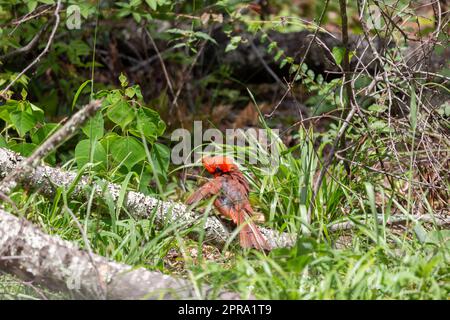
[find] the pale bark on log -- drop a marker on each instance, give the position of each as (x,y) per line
(31,255)
(438,220)
(45,180)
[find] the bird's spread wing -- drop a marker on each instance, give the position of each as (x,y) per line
(208,189)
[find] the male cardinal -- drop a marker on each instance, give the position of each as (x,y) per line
(232,201)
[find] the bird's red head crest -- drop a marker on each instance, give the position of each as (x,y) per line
(218,164)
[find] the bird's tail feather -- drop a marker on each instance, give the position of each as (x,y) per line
(250,236)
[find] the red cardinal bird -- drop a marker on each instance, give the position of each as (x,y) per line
(232,200)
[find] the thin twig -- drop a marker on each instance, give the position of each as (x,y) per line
(161,60)
(4,92)
(30,45)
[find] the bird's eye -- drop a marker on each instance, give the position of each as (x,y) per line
(218,170)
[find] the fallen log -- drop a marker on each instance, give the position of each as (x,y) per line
(31,255)
(46,180)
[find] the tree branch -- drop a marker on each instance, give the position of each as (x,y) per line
(39,57)
(29,254)
(46,180)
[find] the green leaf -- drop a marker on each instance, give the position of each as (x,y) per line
(144,180)
(23,121)
(160,155)
(137,17)
(444,109)
(127,150)
(3,143)
(47,1)
(233,44)
(278,55)
(137,92)
(152,4)
(135,3)
(24,94)
(120,113)
(94,127)
(272,46)
(130,92)
(39,135)
(86,148)
(7,108)
(230,47)
(338,54)
(149,123)
(378,125)
(25,149)
(283,63)
(77,94)
(32,5)
(204,36)
(123,80)
(377,108)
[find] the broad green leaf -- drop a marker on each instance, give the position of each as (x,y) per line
(39,135)
(94,127)
(127,150)
(37,112)
(86,148)
(152,4)
(7,108)
(137,17)
(120,113)
(32,5)
(144,180)
(135,3)
(23,121)
(3,143)
(149,123)
(338,54)
(25,149)
(112,97)
(160,155)
(129,92)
